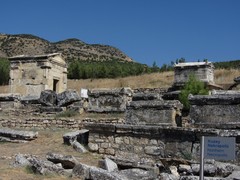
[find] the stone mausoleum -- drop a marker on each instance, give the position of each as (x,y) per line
(29,75)
(204,71)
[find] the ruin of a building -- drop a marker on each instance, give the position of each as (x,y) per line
(29,75)
(203,71)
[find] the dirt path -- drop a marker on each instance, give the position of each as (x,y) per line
(47,141)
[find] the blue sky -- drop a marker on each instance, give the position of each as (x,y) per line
(146,30)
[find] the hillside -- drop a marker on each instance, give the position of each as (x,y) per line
(12,45)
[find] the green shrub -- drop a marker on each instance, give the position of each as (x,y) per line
(194,87)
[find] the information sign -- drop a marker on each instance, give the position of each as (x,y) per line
(219,148)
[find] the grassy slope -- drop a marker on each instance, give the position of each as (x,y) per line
(154,80)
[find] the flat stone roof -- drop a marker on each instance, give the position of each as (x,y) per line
(188,64)
(36,57)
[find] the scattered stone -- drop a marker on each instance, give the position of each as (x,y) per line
(78,147)
(21,160)
(48,98)
(67,97)
(93,147)
(101,174)
(108,165)
(80,136)
(17,134)
(174,171)
(166,176)
(81,171)
(68,162)
(235,175)
(45,167)
(136,174)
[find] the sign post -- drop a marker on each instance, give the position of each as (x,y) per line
(218,148)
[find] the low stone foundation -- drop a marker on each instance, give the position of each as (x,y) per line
(148,144)
(48,123)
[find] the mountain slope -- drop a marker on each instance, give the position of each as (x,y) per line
(12,45)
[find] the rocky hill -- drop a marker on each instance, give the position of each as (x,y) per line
(12,45)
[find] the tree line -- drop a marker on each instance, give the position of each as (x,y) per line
(108,69)
(115,68)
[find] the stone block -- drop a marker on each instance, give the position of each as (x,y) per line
(67,97)
(48,98)
(80,136)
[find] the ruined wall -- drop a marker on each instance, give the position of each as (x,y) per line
(217,111)
(147,144)
(109,100)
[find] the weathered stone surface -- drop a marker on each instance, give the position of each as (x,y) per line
(30,99)
(215,168)
(183,168)
(216,99)
(235,175)
(166,176)
(136,174)
(108,165)
(146,97)
(18,135)
(80,136)
(48,98)
(9,97)
(93,147)
(153,112)
(21,160)
(154,150)
(44,167)
(81,171)
(204,71)
(68,162)
(78,147)
(197,178)
(101,174)
(67,97)
(108,100)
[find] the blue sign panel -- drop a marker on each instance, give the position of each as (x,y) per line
(219,148)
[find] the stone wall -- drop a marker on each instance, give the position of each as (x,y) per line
(217,110)
(149,144)
(49,123)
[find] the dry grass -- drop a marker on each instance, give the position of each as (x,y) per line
(4,89)
(144,81)
(155,80)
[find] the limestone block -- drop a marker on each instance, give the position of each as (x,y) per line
(152,112)
(93,147)
(67,97)
(48,98)
(108,165)
(68,162)
(154,150)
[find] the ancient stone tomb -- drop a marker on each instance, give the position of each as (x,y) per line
(29,75)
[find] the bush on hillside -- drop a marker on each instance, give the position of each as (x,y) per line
(4,71)
(194,87)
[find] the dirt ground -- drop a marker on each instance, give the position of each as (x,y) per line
(47,141)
